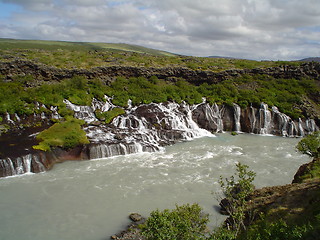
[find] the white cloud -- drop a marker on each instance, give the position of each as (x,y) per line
(256,29)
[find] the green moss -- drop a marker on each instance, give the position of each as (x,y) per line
(67,134)
(109,115)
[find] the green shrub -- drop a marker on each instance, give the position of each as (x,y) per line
(236,190)
(277,230)
(66,134)
(186,222)
(310,145)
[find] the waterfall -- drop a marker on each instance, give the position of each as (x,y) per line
(7,167)
(283,120)
(300,128)
(237,114)
(103,106)
(145,128)
(217,116)
(110,150)
(149,127)
(311,126)
(8,118)
(213,115)
(85,113)
(17,118)
(54,113)
(20,165)
(265,119)
(179,117)
(252,119)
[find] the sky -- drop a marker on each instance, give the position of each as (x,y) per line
(251,29)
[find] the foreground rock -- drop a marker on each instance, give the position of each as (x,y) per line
(296,202)
(132,232)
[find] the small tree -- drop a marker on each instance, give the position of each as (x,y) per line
(186,222)
(236,191)
(310,145)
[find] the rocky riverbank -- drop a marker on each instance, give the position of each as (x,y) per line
(292,201)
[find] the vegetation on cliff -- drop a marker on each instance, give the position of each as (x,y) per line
(66,134)
(20,92)
(286,94)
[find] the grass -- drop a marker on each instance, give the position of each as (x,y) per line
(88,55)
(286,94)
(66,134)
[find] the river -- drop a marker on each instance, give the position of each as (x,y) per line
(91,200)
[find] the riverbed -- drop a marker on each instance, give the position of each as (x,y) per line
(90,200)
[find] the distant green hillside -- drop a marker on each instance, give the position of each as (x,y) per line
(86,55)
(9,44)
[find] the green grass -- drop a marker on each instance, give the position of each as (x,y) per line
(286,94)
(10,44)
(88,55)
(66,134)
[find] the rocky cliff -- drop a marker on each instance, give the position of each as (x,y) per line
(46,73)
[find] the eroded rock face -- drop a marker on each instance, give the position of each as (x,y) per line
(42,72)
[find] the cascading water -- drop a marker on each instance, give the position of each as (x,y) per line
(283,120)
(85,113)
(237,114)
(149,127)
(252,119)
(265,119)
(144,129)
(20,165)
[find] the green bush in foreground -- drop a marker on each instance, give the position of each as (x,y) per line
(186,222)
(277,230)
(310,145)
(67,134)
(236,191)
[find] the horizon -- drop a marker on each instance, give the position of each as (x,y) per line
(257,30)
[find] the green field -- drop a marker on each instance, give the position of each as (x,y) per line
(88,55)
(11,44)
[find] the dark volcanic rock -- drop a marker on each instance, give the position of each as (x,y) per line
(133,231)
(45,73)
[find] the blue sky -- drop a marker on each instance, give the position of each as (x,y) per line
(254,29)
(6,9)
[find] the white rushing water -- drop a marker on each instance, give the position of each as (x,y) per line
(90,200)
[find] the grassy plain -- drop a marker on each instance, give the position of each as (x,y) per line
(88,55)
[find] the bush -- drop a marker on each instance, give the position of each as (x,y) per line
(277,230)
(310,145)
(186,222)
(236,190)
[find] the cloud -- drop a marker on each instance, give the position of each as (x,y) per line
(255,29)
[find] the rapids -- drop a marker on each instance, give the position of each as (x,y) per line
(90,200)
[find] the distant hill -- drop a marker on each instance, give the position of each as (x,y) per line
(7,44)
(221,57)
(311,59)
